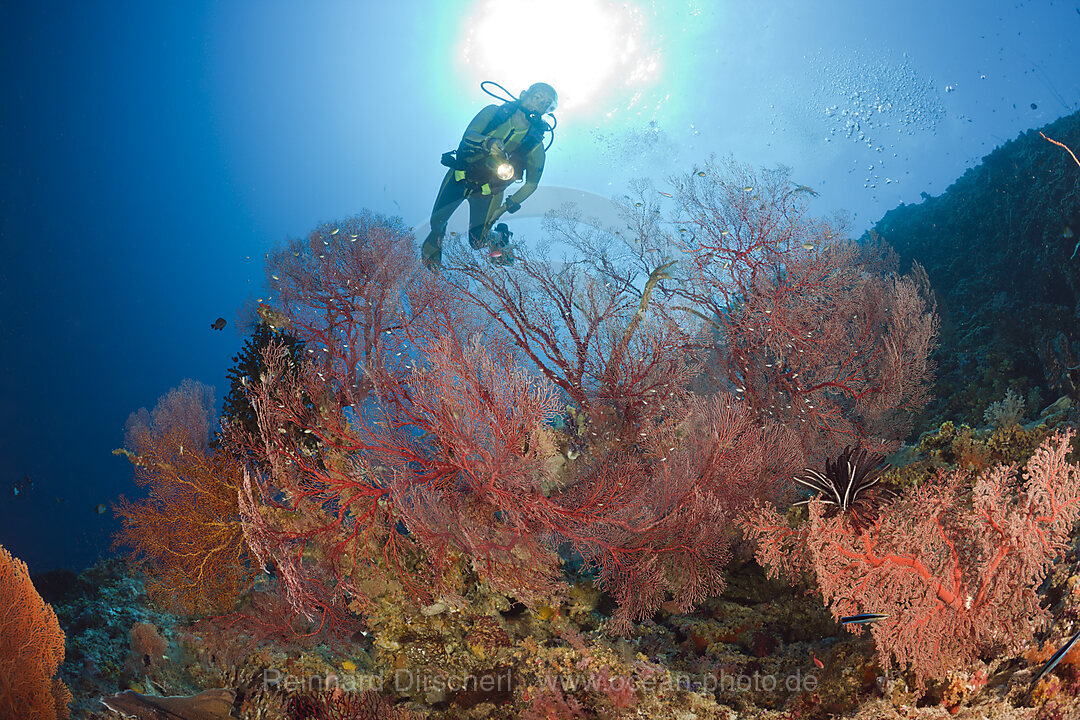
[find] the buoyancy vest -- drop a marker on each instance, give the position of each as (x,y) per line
(470,164)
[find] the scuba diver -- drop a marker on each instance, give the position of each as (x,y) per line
(503,144)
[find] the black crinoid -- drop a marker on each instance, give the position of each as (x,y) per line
(850,485)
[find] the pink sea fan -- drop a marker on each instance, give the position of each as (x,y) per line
(956,573)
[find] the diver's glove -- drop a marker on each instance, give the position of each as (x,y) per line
(511,206)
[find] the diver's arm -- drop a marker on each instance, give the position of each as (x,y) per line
(534,168)
(474,136)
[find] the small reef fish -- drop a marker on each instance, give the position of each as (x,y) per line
(100,508)
(862,619)
(218,324)
(21,486)
(1055,659)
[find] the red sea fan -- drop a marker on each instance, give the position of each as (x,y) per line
(816,332)
(956,573)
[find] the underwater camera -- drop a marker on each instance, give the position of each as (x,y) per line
(499,250)
(500,236)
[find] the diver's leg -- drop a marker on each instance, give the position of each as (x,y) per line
(451,194)
(482,209)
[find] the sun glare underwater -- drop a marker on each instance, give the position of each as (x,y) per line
(593,51)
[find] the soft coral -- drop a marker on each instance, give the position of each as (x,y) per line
(955,572)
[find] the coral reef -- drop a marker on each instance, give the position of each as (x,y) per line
(1019,209)
(554,489)
(952,569)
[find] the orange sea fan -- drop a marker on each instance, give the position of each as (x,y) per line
(31,648)
(188,531)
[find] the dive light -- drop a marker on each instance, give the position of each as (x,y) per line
(494,160)
(499,163)
(505,171)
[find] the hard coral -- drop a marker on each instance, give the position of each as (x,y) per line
(339,705)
